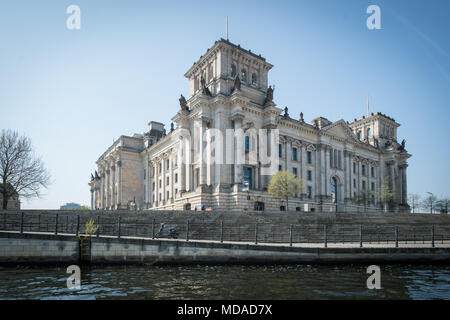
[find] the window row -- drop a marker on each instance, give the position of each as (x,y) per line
(363,170)
(244,75)
(294,152)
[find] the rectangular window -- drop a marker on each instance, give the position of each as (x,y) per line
(309,192)
(309,157)
(167,181)
(248,176)
(280,167)
(167,195)
(160,168)
(247,143)
(176,177)
(153,186)
(294,154)
(373,186)
(354,183)
(372,170)
(160,183)
(280,150)
(363,169)
(363,185)
(309,175)
(145,173)
(294,171)
(354,167)
(167,164)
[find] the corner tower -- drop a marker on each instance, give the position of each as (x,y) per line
(220,66)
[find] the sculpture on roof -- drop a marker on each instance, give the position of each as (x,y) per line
(286,113)
(301,117)
(402,146)
(269,95)
(183,103)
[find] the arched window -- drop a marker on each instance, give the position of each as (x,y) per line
(244,75)
(334,190)
(368,132)
(254,79)
(233,71)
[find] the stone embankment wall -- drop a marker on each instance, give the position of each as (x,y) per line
(36,249)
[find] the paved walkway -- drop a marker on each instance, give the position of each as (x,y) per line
(401,244)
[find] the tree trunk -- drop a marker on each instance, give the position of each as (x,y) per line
(287,204)
(5,202)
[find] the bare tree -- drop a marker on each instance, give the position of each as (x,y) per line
(21,171)
(429,203)
(414,201)
(443,205)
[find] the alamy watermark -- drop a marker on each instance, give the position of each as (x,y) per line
(374,280)
(73,22)
(74,280)
(374,20)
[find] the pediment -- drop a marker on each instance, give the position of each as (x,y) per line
(340,129)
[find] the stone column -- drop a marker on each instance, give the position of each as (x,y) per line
(102,189)
(92,199)
(172,179)
(317,170)
(163,177)
(119,185)
(404,184)
(108,192)
(288,155)
(151,174)
(392,176)
(202,174)
(182,167)
(358,172)
(328,154)
(113,186)
(346,175)
(96,196)
(157,179)
(238,149)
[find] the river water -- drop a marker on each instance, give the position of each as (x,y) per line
(227,282)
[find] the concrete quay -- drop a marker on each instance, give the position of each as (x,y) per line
(64,249)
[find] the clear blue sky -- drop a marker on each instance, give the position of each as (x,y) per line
(73,92)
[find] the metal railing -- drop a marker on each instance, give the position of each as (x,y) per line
(224,231)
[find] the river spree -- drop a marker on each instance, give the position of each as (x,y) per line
(227,282)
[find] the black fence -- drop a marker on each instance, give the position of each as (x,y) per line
(223,231)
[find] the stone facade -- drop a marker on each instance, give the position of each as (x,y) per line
(230,138)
